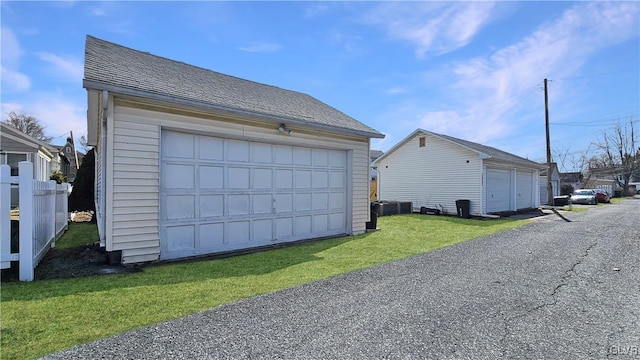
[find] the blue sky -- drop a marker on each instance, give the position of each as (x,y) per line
(469,70)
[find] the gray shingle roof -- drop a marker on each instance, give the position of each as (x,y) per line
(493,153)
(483,150)
(113,67)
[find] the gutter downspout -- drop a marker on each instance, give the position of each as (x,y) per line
(103,162)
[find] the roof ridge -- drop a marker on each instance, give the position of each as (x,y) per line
(480,146)
(191,65)
(118,68)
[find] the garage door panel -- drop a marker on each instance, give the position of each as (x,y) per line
(238,150)
(283,203)
(225,194)
(336,200)
(211,177)
(302,202)
(320,157)
(180,207)
(262,178)
(180,238)
(320,223)
(284,227)
(337,159)
(238,178)
(302,156)
(238,204)
(284,179)
(261,153)
(211,205)
(320,179)
(320,201)
(302,225)
(337,221)
(337,180)
(262,230)
(303,179)
(211,235)
(178,145)
(262,204)
(283,155)
(238,232)
(211,148)
(178,176)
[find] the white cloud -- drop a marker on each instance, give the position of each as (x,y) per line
(433,27)
(66,68)
(396,90)
(265,47)
(489,90)
(316,9)
(11,78)
(14,81)
(498,99)
(55,112)
(350,43)
(60,116)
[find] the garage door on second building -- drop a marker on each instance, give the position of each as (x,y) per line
(222,194)
(498,190)
(524,190)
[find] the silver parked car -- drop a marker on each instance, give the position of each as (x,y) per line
(584,196)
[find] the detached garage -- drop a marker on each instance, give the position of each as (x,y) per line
(434,170)
(192,162)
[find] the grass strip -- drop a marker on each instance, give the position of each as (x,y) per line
(50,315)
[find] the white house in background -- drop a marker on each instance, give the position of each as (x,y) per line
(16,146)
(434,170)
(192,162)
(555,182)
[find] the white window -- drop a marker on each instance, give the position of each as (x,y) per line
(12,160)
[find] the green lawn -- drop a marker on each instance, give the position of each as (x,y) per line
(78,234)
(45,316)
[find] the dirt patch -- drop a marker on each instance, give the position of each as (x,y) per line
(81,261)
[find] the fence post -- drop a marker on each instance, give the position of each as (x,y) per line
(53,200)
(25,173)
(5,215)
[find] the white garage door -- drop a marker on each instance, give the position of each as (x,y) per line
(524,190)
(222,194)
(498,190)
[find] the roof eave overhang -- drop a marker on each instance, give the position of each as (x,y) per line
(516,164)
(96,85)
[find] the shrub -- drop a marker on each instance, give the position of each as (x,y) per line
(566,189)
(82,195)
(59,177)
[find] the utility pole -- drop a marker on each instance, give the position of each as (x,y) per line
(75,153)
(546,122)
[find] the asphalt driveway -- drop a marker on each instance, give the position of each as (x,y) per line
(548,290)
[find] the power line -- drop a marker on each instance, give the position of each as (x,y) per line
(599,75)
(56,137)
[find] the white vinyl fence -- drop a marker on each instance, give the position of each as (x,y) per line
(43,217)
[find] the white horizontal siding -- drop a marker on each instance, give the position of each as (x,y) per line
(135,185)
(360,190)
(128,258)
(134,189)
(434,176)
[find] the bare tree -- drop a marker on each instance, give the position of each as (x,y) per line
(576,161)
(619,154)
(28,125)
